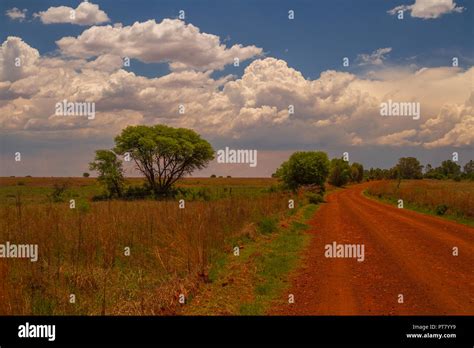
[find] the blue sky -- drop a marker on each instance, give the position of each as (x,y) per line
(337,106)
(322,33)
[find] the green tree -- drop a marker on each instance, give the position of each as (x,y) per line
(428,168)
(357,172)
(433,173)
(164,154)
(110,171)
(409,168)
(340,172)
(304,168)
(469,170)
(373,173)
(450,169)
(469,167)
(85,175)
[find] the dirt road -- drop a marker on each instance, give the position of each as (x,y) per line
(405,253)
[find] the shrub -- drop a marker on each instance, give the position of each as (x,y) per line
(137,192)
(267,225)
(101,197)
(205,194)
(314,198)
(59,192)
(441,209)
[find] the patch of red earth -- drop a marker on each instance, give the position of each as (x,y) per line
(406,253)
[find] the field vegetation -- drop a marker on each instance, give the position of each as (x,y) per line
(121,257)
(43,190)
(140,246)
(440,197)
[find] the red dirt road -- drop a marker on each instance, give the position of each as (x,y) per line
(406,253)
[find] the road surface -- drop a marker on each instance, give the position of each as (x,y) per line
(405,253)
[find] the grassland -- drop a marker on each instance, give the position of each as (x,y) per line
(83,251)
(248,284)
(39,190)
(449,199)
(173,252)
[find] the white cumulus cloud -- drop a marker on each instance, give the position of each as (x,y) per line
(16,14)
(335,109)
(173,41)
(85,13)
(428,9)
(17,59)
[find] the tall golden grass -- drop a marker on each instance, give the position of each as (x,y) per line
(458,197)
(82,252)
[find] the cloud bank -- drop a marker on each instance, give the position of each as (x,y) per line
(337,108)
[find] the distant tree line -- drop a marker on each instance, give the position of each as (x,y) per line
(411,168)
(312,169)
(164,155)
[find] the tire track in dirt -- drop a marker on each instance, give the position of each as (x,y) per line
(405,253)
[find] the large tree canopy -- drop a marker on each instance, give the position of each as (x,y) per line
(164,154)
(304,168)
(409,168)
(340,172)
(450,169)
(357,172)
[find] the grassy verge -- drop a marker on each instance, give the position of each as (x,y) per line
(420,209)
(273,266)
(247,284)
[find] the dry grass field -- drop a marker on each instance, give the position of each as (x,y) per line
(83,251)
(138,257)
(450,198)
